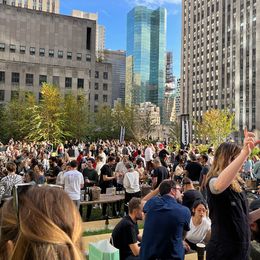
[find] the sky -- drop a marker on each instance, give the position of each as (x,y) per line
(113,15)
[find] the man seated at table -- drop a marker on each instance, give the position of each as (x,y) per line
(125,235)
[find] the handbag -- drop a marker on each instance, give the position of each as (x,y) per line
(103,250)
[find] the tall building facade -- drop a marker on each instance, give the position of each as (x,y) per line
(118,61)
(178,98)
(169,95)
(57,49)
(145,62)
(100,31)
(221,59)
(52,6)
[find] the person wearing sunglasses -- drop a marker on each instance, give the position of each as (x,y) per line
(32,229)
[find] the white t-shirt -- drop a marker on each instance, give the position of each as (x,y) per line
(98,167)
(104,157)
(120,167)
(148,154)
(198,233)
(72,181)
(131,182)
(59,179)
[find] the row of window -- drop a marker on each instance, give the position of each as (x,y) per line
(29,80)
(34,5)
(51,53)
(15,95)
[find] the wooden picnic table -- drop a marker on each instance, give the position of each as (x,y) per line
(104,198)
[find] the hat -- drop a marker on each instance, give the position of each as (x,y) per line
(255,205)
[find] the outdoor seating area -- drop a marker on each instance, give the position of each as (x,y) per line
(99,225)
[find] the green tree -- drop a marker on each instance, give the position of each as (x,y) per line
(124,116)
(216,126)
(175,132)
(15,117)
(146,125)
(103,125)
(77,116)
(47,122)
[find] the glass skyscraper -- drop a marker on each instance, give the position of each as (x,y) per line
(145,63)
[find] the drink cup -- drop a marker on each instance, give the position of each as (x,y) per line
(200,250)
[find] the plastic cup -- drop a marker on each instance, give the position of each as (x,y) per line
(200,250)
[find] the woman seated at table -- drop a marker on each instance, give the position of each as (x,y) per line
(200,225)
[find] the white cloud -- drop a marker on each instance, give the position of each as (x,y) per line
(153,3)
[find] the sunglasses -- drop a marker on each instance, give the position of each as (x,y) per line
(20,189)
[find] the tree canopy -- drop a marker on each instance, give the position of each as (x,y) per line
(216,126)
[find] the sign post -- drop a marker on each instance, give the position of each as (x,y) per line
(185,130)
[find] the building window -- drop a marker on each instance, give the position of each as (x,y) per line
(15,78)
(104,98)
(42,79)
(79,56)
(88,57)
(95,108)
(12,48)
(42,52)
(29,79)
(96,86)
(69,55)
(2,47)
(88,38)
(105,75)
(14,94)
(22,49)
(68,82)
(2,95)
(105,87)
(56,81)
(96,74)
(96,97)
(89,85)
(60,54)
(51,53)
(2,77)
(32,50)
(80,83)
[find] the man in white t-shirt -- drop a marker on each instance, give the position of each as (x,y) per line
(148,155)
(73,182)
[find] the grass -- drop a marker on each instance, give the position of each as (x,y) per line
(105,231)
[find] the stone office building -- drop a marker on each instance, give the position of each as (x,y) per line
(38,47)
(221,59)
(52,6)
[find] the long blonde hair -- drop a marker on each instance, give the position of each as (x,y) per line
(8,227)
(224,155)
(50,226)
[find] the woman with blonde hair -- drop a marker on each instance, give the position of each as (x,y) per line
(8,229)
(228,208)
(49,226)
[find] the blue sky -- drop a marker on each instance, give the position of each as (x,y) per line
(113,13)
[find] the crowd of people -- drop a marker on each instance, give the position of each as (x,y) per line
(195,198)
